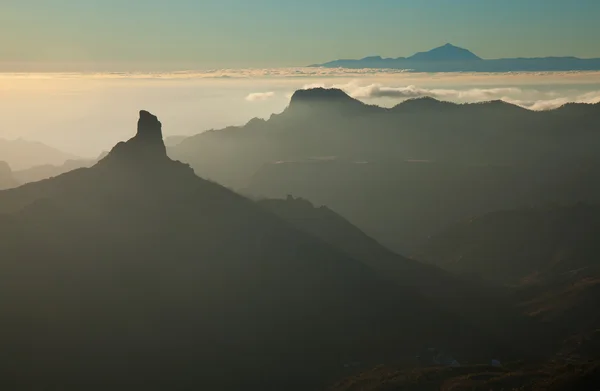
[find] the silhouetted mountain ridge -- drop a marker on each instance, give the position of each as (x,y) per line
(23,154)
(485,155)
(514,246)
(450,58)
(159,279)
(447,52)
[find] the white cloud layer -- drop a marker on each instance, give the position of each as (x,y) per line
(549,104)
(373,91)
(305,72)
(526,97)
(260,96)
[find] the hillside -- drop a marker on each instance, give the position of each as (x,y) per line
(427,163)
(22,154)
(515,377)
(516,246)
(328,123)
(135,273)
(550,257)
(485,307)
(7,178)
(38,173)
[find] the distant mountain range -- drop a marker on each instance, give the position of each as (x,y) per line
(450,58)
(23,154)
(405,172)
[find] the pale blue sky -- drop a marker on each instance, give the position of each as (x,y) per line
(177,34)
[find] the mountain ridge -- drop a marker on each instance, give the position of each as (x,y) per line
(22,154)
(136,256)
(450,58)
(321,95)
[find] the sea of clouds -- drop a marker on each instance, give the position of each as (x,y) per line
(87,113)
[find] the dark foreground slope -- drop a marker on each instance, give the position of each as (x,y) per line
(549,255)
(519,246)
(325,224)
(484,306)
(548,377)
(136,274)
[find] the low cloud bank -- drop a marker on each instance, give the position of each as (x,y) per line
(549,104)
(528,98)
(260,96)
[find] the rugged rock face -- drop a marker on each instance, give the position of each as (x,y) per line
(326,101)
(146,145)
(149,130)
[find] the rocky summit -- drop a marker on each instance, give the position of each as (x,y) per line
(147,145)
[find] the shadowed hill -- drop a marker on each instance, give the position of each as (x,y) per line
(486,307)
(135,273)
(38,173)
(322,122)
(7,178)
(481,157)
(515,246)
(514,377)
(549,254)
(22,154)
(329,226)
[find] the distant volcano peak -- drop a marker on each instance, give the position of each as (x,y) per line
(447,52)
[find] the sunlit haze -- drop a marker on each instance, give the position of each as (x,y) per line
(86,114)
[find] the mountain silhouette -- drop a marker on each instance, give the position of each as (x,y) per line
(404,173)
(448,52)
(7,179)
(137,274)
(481,305)
(22,154)
(38,173)
(450,58)
(517,246)
(548,254)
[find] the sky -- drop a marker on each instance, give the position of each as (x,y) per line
(160,35)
